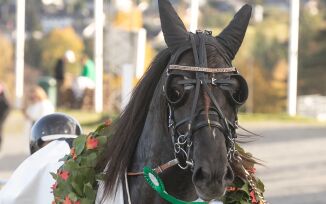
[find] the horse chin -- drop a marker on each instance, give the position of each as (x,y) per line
(209,194)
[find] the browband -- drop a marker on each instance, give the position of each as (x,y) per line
(203,69)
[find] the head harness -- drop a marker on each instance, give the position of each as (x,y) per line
(204,77)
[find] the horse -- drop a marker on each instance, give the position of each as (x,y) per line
(182,115)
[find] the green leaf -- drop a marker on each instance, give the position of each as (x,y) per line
(65,158)
(260,185)
(87,201)
(245,188)
(72,196)
(100,177)
(77,188)
(70,166)
(102,140)
(238,182)
(91,159)
(79,144)
(54,175)
(244,202)
(90,193)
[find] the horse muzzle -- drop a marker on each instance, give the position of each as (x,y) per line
(209,184)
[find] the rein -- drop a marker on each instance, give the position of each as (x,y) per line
(158,169)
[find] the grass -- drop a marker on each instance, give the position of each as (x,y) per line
(89,120)
(276,117)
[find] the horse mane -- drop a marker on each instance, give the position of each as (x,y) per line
(128,128)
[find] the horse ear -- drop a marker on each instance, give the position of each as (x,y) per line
(232,36)
(174,31)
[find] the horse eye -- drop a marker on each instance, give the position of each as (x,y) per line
(174,94)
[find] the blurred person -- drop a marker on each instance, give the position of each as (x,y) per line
(51,139)
(4,109)
(86,80)
(60,70)
(88,68)
(37,105)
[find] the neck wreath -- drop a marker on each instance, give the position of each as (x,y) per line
(76,181)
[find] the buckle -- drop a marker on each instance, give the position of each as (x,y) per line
(213,81)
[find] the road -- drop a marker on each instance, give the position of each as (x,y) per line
(295,162)
(294,156)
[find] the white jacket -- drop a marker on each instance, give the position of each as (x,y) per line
(31,182)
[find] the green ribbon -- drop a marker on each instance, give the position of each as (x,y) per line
(156,183)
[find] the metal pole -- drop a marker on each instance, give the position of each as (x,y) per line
(98,54)
(194,15)
(20,40)
(141,51)
(293,57)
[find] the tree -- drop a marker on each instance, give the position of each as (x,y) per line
(6,61)
(6,57)
(56,43)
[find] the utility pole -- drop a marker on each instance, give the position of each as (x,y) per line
(293,57)
(20,43)
(194,15)
(98,54)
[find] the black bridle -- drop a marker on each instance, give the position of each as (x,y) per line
(204,77)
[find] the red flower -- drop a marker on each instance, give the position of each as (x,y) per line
(91,142)
(253,197)
(54,186)
(67,200)
(64,175)
(252,170)
(73,153)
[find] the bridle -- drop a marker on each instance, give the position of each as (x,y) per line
(204,77)
(183,142)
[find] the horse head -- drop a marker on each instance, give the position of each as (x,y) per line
(203,92)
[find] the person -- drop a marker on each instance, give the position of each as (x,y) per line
(86,80)
(51,138)
(37,105)
(4,109)
(60,69)
(88,68)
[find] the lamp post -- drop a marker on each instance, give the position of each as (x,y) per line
(98,54)
(293,57)
(20,43)
(194,15)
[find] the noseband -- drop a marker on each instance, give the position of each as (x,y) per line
(204,77)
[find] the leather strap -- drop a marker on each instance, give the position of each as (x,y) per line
(202,69)
(158,169)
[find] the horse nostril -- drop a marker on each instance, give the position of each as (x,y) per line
(229,175)
(200,175)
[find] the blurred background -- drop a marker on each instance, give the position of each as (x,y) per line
(50,44)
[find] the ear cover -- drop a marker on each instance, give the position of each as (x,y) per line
(174,31)
(232,36)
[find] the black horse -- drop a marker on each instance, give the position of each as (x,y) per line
(184,110)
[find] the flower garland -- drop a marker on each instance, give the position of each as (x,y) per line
(76,181)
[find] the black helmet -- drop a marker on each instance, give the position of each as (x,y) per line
(53,127)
